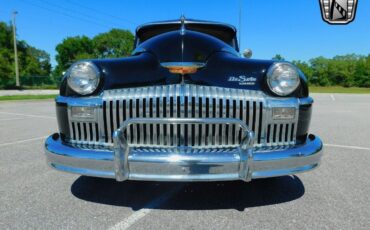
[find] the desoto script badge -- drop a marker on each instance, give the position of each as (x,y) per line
(338,11)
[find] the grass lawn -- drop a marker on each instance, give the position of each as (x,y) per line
(338,89)
(26,97)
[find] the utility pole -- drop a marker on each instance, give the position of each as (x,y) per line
(15,52)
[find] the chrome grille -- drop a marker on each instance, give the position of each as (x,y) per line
(84,132)
(186,101)
(183,101)
(280,134)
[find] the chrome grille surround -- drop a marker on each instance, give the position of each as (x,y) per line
(185,101)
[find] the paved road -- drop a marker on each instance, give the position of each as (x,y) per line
(335,196)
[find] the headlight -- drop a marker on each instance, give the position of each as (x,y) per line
(83,77)
(283,78)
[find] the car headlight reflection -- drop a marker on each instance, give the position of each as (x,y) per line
(83,77)
(283,78)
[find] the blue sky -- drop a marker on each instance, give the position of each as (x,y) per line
(292,28)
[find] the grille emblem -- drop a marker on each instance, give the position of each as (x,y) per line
(338,12)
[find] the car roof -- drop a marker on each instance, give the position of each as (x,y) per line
(223,31)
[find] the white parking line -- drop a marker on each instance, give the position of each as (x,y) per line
(136,216)
(22,141)
(347,146)
(10,119)
(28,115)
(332,97)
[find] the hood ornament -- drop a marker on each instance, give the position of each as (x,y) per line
(182,29)
(183,67)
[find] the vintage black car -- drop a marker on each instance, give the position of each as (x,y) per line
(186,106)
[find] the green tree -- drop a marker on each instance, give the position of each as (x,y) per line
(306,69)
(6,55)
(278,57)
(362,72)
(112,44)
(73,49)
(320,75)
(32,61)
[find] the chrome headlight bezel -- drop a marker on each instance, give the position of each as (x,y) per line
(280,73)
(83,77)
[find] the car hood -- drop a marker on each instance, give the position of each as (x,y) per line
(183,46)
(221,64)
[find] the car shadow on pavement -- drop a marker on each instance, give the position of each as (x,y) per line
(190,196)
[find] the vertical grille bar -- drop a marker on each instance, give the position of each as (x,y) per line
(236,114)
(212,127)
(283,134)
(294,130)
(204,109)
(88,136)
(147,114)
(271,133)
(196,115)
(223,115)
(120,112)
(128,116)
(190,112)
(256,111)
(181,91)
(113,113)
(161,131)
(114,116)
(134,126)
(93,132)
(169,97)
(79,131)
(262,118)
(141,110)
(244,111)
(249,108)
(155,134)
(107,114)
(231,115)
(71,126)
(289,134)
(74,136)
(217,108)
(208,114)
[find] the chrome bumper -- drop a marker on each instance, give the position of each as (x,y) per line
(183,164)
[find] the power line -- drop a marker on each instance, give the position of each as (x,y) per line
(68,15)
(75,12)
(101,12)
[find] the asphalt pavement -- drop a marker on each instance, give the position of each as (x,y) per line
(335,196)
